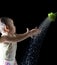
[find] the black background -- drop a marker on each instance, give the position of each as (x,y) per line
(31,14)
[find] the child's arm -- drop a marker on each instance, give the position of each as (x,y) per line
(17,37)
(3,39)
(21,37)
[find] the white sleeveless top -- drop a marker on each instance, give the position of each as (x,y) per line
(8,51)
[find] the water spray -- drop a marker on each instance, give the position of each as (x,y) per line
(32,53)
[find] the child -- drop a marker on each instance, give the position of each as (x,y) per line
(9,39)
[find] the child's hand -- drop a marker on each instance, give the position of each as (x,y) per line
(33,32)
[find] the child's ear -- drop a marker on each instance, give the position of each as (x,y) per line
(6,29)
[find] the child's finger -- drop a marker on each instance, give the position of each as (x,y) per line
(35,27)
(27,29)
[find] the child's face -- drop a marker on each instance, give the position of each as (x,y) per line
(3,29)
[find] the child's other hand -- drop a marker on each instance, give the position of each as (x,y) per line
(33,32)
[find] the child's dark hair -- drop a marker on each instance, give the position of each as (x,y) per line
(9,22)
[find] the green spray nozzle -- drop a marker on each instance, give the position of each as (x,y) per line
(52,16)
